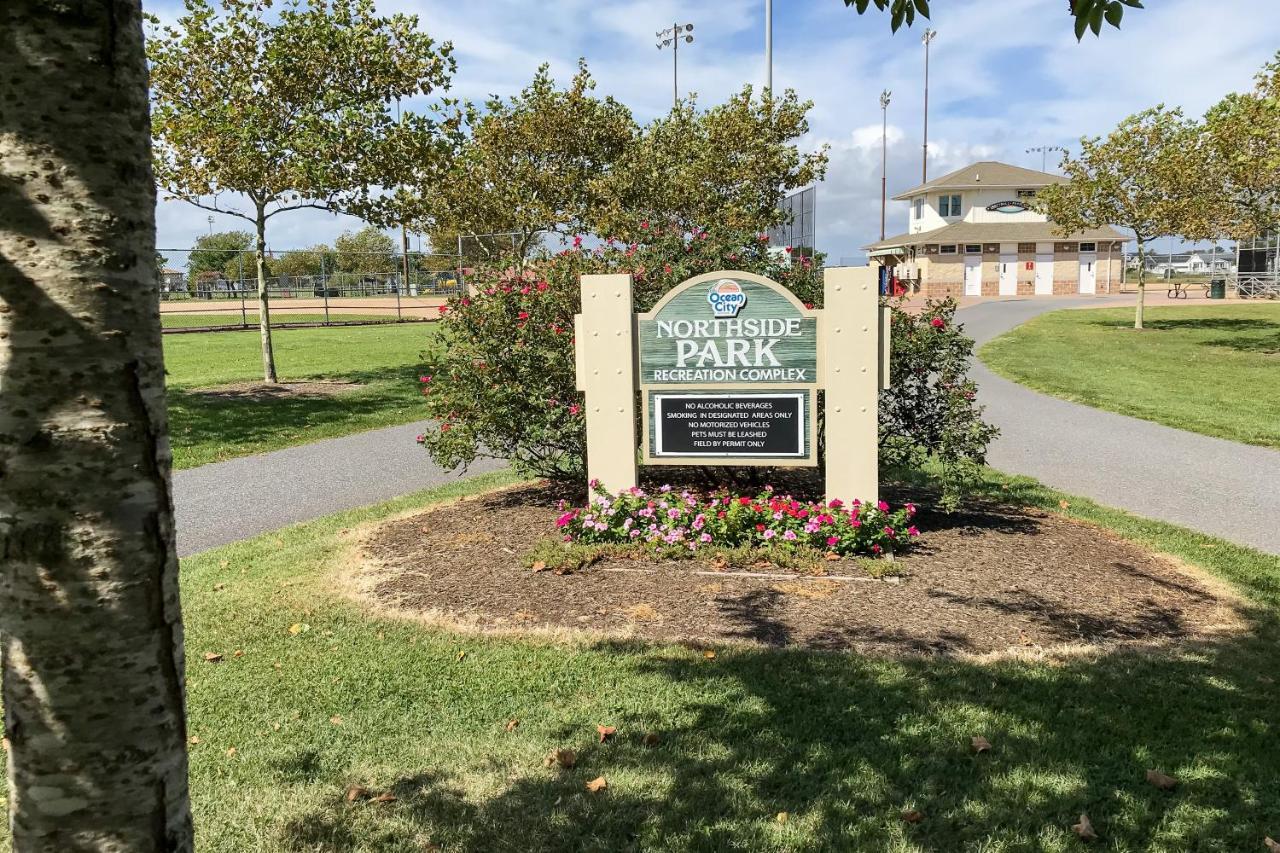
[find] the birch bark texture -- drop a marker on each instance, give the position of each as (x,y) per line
(90,620)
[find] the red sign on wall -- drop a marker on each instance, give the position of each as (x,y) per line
(1031,265)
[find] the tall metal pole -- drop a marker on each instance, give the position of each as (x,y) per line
(768,45)
(884,155)
(671,38)
(1044,153)
(928,37)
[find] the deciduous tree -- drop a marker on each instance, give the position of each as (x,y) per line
(1242,136)
(725,167)
(368,250)
(89,612)
(532,165)
(1147,175)
(1087,14)
(228,253)
(289,108)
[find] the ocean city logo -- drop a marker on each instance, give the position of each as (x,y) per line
(726,298)
(1007,207)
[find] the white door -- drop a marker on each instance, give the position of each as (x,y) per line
(1008,275)
(973,275)
(1089,273)
(1044,275)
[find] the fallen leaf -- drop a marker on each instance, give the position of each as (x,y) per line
(511,724)
(981,744)
(278,665)
(650,739)
(562,758)
(336,719)
(231,752)
(385,797)
(212,657)
(1161,781)
(720,563)
(782,817)
(1271,844)
(239,653)
(539,566)
(218,587)
(606,732)
(709,654)
(461,655)
(833,557)
(357,792)
(1084,829)
(195,739)
(597,785)
(299,628)
(641,613)
(913,816)
(1064,504)
(222,564)
(275,726)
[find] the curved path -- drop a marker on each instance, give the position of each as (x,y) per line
(228,501)
(1208,484)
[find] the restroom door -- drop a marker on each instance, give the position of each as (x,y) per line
(1044,275)
(973,275)
(1089,273)
(1008,275)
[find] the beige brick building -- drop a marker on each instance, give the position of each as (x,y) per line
(974,232)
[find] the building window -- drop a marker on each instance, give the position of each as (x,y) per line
(949,205)
(1026,193)
(948,249)
(919,208)
(1026,248)
(972,249)
(1088,247)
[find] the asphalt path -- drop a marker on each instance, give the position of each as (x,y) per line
(1208,484)
(227,501)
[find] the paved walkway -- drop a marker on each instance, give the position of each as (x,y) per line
(1208,484)
(228,501)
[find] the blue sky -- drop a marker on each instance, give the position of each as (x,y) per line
(1005,75)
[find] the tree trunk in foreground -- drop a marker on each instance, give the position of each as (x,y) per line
(90,622)
(264,307)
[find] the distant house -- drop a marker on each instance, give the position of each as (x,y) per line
(173,281)
(976,232)
(1194,262)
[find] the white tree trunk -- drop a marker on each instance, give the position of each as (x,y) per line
(1142,282)
(90,621)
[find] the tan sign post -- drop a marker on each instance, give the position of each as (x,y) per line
(727,366)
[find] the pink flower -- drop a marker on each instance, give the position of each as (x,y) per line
(787,250)
(524,315)
(667,268)
(542,285)
(574,409)
(566,518)
(421,438)
(577,242)
(769,534)
(937,323)
(882,506)
(888,531)
(836,503)
(912,531)
(789,535)
(832,541)
(446,427)
(911,509)
(424,379)
(876,549)
(444,309)
(644,225)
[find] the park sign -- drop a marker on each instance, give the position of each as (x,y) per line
(726,368)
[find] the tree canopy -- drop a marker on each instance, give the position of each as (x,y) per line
(1242,138)
(229,253)
(368,250)
(1087,14)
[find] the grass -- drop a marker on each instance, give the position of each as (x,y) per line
(843,744)
(1213,370)
(203,428)
(174,320)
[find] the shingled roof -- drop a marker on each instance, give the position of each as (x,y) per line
(988,174)
(997,232)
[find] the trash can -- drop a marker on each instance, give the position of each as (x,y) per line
(1217,288)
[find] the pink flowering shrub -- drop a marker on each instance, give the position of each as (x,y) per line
(685,520)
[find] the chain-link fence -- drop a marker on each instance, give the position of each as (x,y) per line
(202,289)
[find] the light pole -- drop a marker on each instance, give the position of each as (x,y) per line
(768,45)
(926,39)
(670,37)
(1043,151)
(884,154)
(210,218)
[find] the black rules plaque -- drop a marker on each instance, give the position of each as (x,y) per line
(732,424)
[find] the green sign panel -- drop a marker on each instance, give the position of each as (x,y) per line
(726,330)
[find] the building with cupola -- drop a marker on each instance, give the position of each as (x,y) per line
(976,232)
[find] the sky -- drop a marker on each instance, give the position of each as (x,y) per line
(1004,75)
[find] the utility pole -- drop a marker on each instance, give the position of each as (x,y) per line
(670,37)
(768,45)
(210,218)
(926,39)
(884,155)
(1043,151)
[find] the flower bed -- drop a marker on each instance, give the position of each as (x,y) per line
(686,520)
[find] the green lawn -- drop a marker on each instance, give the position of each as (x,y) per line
(843,744)
(1211,369)
(171,320)
(208,429)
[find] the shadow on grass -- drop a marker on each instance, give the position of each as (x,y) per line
(845,744)
(1221,324)
(1266,345)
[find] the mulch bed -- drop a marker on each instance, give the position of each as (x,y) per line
(993,579)
(277,390)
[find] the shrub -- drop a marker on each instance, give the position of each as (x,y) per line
(686,520)
(503,382)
